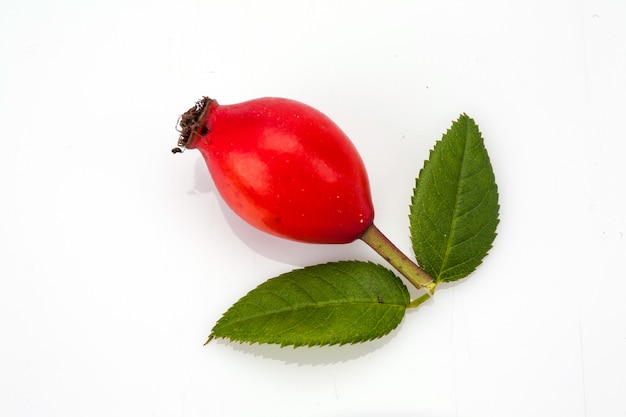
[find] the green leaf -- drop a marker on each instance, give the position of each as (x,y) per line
(454,209)
(333,303)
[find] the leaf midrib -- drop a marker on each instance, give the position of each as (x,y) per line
(455,204)
(320,305)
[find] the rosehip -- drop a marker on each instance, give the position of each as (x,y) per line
(282,166)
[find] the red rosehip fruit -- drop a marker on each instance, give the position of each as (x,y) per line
(282,166)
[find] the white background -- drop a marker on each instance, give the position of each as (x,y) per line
(117,257)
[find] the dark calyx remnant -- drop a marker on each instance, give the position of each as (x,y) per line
(188,122)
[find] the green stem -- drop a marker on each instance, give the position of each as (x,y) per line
(418,301)
(409,269)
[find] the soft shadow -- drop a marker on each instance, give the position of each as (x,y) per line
(314,356)
(390,412)
(202,182)
(272,247)
(299,254)
(318,355)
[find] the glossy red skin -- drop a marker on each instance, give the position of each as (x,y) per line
(286,169)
